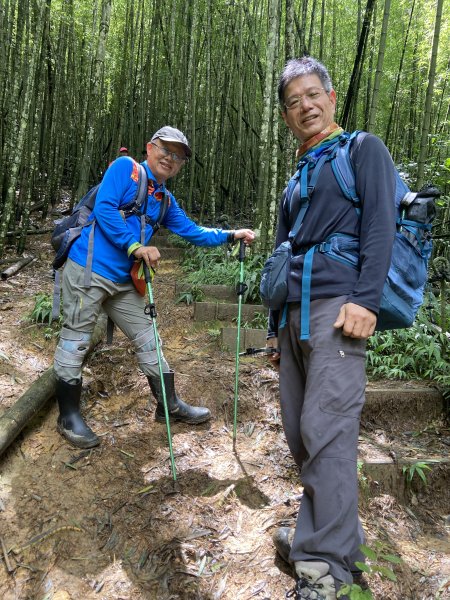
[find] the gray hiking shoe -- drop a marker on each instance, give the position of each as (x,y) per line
(314,582)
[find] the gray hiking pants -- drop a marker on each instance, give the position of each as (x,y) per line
(322,383)
(81,308)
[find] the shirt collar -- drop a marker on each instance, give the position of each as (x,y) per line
(158,187)
(328,133)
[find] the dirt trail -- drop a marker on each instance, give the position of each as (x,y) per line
(111,526)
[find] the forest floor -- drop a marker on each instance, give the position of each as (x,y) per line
(113,526)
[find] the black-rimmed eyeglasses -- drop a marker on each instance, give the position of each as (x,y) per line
(296,101)
(165,152)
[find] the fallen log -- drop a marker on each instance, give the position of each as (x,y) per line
(15,418)
(29,232)
(15,268)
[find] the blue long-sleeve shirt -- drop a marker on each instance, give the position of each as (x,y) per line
(114,235)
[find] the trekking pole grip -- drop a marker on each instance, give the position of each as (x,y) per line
(148,278)
(241,250)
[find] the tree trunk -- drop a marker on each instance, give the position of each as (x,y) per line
(15,268)
(93,101)
(20,134)
(397,81)
(428,99)
(266,144)
(352,92)
(379,69)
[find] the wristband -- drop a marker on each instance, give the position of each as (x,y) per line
(132,248)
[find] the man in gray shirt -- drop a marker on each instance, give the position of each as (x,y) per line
(322,375)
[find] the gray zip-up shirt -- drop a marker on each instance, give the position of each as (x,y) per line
(330,212)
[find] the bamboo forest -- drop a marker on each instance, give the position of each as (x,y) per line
(79,79)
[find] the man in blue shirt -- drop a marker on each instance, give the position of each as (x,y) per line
(117,245)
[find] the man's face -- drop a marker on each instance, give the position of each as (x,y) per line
(160,160)
(313,109)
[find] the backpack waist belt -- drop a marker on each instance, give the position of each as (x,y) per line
(338,246)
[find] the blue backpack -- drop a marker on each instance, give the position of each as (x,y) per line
(404,287)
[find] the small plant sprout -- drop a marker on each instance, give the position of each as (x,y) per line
(375,564)
(415,470)
(42,310)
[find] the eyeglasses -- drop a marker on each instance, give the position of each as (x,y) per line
(297,101)
(165,152)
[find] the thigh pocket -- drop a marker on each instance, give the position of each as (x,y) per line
(344,379)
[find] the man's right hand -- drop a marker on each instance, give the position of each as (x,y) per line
(149,254)
(275,357)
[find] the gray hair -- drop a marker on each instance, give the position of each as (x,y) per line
(298,67)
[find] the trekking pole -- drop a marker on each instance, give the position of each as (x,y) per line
(150,309)
(241,289)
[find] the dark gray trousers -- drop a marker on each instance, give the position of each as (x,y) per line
(322,383)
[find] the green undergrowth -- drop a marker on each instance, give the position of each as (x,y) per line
(419,352)
(220,266)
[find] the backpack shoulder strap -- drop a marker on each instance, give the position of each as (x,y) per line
(307,183)
(162,212)
(141,194)
(343,169)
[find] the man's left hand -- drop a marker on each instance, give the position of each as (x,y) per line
(245,234)
(356,321)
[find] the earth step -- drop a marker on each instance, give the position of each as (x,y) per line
(386,476)
(411,407)
(249,338)
(217,311)
(218,293)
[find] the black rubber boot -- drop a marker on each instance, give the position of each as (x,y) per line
(282,539)
(71,424)
(178,410)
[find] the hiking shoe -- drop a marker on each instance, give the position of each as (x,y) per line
(359,579)
(282,539)
(314,582)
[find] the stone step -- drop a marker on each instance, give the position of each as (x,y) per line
(217,311)
(249,338)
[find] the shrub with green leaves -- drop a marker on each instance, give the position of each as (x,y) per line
(195,294)
(42,309)
(259,321)
(378,561)
(216,266)
(419,352)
